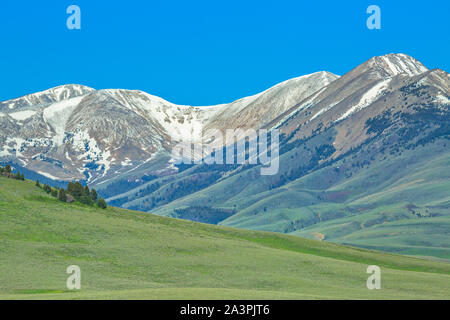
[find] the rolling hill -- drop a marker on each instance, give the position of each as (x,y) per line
(133,255)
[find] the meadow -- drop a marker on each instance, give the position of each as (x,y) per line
(125,254)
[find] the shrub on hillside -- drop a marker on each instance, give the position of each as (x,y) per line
(101,203)
(19,176)
(86,200)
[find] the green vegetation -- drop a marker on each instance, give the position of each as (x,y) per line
(102,203)
(75,192)
(133,255)
(7,172)
(378,181)
(203,214)
(62,195)
(398,203)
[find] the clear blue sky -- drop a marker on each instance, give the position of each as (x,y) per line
(206,52)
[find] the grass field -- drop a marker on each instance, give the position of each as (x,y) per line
(131,255)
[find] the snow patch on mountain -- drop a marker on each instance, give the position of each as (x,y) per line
(400,63)
(57,115)
(181,122)
(327,78)
(48,175)
(46,97)
(90,153)
(15,146)
(367,99)
(442,99)
(127,162)
(22,115)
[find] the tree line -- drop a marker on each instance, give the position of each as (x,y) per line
(75,190)
(6,171)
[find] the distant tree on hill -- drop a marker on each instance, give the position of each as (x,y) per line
(86,200)
(71,188)
(19,176)
(101,203)
(94,195)
(8,168)
(76,190)
(62,195)
(38,184)
(47,188)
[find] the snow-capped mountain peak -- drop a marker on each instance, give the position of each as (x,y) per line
(395,64)
(76,132)
(46,97)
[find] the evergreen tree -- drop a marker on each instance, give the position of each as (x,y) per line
(76,190)
(86,200)
(22,177)
(94,195)
(54,193)
(8,168)
(38,184)
(101,203)
(47,188)
(86,191)
(70,187)
(62,195)
(18,176)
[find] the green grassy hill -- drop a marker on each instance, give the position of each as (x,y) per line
(398,203)
(131,255)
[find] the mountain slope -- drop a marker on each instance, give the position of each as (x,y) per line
(75,132)
(131,255)
(352,142)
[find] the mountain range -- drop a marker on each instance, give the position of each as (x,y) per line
(364,157)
